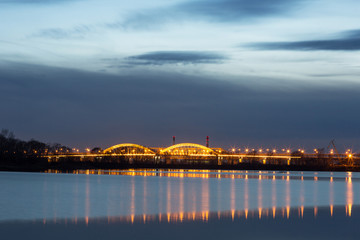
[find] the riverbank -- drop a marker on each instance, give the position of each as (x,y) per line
(41,166)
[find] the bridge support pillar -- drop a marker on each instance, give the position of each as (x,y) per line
(168,161)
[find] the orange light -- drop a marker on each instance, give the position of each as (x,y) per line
(274,211)
(331,210)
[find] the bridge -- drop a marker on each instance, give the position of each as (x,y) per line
(196,154)
(192,153)
(177,150)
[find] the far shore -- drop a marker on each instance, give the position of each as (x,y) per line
(66,166)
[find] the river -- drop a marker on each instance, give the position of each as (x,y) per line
(192,204)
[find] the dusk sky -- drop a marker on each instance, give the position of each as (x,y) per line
(255,73)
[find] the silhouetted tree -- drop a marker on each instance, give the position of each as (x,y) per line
(15,150)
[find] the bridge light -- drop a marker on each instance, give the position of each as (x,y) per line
(233,149)
(274,151)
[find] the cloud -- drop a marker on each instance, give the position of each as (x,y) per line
(60,33)
(235,10)
(34,1)
(208,10)
(175,57)
(349,41)
(80,108)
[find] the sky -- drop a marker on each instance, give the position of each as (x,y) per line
(247,73)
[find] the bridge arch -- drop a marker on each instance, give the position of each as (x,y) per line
(188,149)
(129,148)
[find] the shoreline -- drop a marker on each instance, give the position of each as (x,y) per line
(63,166)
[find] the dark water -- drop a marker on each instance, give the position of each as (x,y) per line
(180,204)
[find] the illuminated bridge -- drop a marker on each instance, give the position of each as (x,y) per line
(178,153)
(192,153)
(129,149)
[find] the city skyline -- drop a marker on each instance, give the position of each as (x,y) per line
(86,73)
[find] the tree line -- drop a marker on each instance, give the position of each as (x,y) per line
(13,149)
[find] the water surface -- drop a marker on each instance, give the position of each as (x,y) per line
(134,200)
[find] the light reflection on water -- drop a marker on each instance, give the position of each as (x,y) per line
(174,195)
(233,215)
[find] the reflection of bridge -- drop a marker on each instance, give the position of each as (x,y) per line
(239,205)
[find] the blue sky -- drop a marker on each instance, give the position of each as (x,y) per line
(258,73)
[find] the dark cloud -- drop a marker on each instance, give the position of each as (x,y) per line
(88,109)
(175,57)
(235,10)
(352,33)
(208,10)
(349,41)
